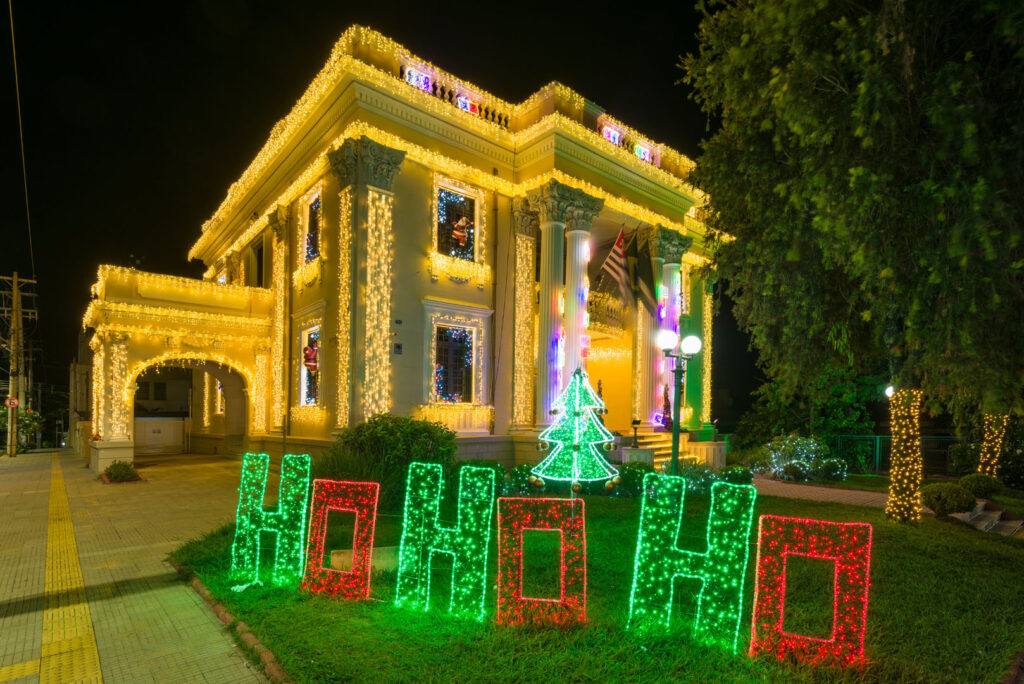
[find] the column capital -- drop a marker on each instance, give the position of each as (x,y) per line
(551,200)
(669,245)
(582,211)
(524,218)
(365,161)
(278,221)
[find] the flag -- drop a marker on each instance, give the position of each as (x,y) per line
(614,266)
(643,272)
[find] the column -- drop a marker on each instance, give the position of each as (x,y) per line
(668,247)
(278,345)
(579,217)
(526,224)
(551,201)
(370,168)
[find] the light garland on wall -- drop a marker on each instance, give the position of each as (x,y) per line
(992,446)
(609,354)
(515,516)
(98,389)
(170,320)
(277,341)
(344,306)
(524,353)
(287,520)
(848,546)
(360,499)
(258,394)
(705,360)
(905,466)
(310,414)
(659,561)
(455,415)
(119,427)
(423,536)
(207,390)
(377,384)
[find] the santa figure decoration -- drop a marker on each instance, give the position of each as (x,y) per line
(460,230)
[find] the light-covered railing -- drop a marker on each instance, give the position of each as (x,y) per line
(464,419)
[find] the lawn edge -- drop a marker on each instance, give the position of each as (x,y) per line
(271,666)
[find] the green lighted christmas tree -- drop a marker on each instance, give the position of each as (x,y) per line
(578,436)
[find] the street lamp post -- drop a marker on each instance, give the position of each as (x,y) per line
(668,341)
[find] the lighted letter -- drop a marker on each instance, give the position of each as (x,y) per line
(466,543)
(287,520)
(564,515)
(848,545)
(359,498)
(721,569)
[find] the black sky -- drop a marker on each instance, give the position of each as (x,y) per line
(138,116)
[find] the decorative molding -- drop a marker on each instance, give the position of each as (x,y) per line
(366,162)
(278,221)
(582,211)
(552,200)
(669,245)
(525,219)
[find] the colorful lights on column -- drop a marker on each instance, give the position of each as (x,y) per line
(287,520)
(515,515)
(577,435)
(721,569)
(359,498)
(992,446)
(848,546)
(904,502)
(423,536)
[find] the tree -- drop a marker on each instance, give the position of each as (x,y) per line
(577,436)
(864,189)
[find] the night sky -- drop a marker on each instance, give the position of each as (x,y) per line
(137,121)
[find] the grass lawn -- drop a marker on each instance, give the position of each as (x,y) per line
(947,605)
(1012,499)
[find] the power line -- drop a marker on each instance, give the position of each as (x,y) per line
(21,140)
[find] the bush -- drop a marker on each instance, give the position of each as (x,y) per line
(980,485)
(795,471)
(783,450)
(632,475)
(833,469)
(500,474)
(963,458)
(519,484)
(736,474)
(699,478)
(945,498)
(381,449)
(121,471)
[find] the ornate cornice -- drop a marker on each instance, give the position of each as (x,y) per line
(525,219)
(551,200)
(582,211)
(668,245)
(365,161)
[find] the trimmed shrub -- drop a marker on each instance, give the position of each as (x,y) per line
(963,458)
(632,475)
(980,485)
(945,498)
(121,471)
(784,450)
(381,449)
(699,478)
(795,471)
(736,474)
(500,475)
(833,469)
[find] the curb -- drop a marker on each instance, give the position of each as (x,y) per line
(1016,672)
(271,668)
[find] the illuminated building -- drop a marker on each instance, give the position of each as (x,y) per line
(406,242)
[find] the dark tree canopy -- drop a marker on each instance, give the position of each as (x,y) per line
(870,166)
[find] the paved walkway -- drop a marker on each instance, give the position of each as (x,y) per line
(789,490)
(85,594)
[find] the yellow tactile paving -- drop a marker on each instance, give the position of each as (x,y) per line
(19,670)
(69,644)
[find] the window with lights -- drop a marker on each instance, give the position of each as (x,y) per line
(314,216)
(453,365)
(456,224)
(309,369)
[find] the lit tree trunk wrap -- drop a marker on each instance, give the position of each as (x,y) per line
(904,503)
(995,431)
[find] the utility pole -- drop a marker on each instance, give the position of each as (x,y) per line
(16,346)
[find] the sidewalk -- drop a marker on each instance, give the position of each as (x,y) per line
(85,594)
(789,490)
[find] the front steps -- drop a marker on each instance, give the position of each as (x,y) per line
(988,517)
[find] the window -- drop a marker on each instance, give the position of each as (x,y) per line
(453,365)
(456,224)
(314,215)
(255,265)
(143,391)
(160,391)
(309,373)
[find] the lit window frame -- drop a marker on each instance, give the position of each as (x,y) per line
(300,399)
(308,273)
(455,269)
(453,315)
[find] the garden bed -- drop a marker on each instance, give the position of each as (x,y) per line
(947,605)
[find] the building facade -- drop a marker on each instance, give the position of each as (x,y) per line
(405,242)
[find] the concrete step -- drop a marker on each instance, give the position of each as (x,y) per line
(1007,527)
(986,520)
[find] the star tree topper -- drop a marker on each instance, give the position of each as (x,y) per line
(578,436)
